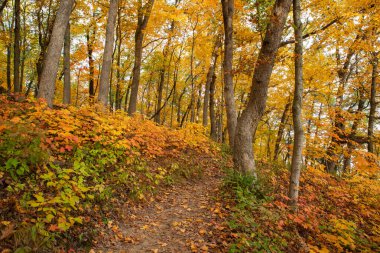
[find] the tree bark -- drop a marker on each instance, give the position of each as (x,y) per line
(51,61)
(90,42)
(16,52)
(280,132)
(210,75)
(372,102)
(296,166)
(118,96)
(44,34)
(108,52)
(228,13)
(142,22)
(9,59)
(213,132)
(250,117)
(66,67)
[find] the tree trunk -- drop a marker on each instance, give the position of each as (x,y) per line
(296,166)
(107,56)
(44,34)
(213,132)
(16,52)
(372,102)
(209,79)
(157,117)
(9,59)
(24,46)
(118,96)
(66,67)
(339,120)
(91,68)
(280,132)
(51,61)
(250,117)
(3,3)
(228,13)
(142,22)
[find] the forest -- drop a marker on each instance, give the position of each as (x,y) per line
(189,126)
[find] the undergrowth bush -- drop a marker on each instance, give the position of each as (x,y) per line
(62,170)
(329,218)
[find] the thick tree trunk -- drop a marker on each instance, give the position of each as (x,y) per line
(210,75)
(51,61)
(228,13)
(250,117)
(296,166)
(44,34)
(16,52)
(372,102)
(142,22)
(108,52)
(66,67)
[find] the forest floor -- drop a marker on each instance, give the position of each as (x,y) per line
(186,217)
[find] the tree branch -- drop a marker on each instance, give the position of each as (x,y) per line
(284,43)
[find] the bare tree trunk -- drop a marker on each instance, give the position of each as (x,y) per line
(66,67)
(280,132)
(143,18)
(23,45)
(296,167)
(104,85)
(91,68)
(209,79)
(16,52)
(372,102)
(213,132)
(44,34)
(51,61)
(119,40)
(228,13)
(192,78)
(9,59)
(250,117)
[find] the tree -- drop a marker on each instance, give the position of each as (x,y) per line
(372,102)
(297,106)
(16,53)
(66,67)
(209,80)
(3,3)
(248,121)
(108,51)
(228,15)
(143,14)
(51,61)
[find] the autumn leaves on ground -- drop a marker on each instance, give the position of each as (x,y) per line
(76,180)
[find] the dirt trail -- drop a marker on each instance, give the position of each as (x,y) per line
(183,218)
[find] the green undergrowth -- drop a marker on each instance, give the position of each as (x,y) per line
(250,196)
